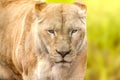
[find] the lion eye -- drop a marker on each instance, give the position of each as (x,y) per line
(51,31)
(74,31)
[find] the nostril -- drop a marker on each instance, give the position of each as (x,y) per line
(63,53)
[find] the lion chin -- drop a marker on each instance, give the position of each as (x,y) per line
(42,41)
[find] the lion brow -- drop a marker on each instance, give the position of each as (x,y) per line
(39,20)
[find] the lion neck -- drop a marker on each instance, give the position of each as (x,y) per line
(48,71)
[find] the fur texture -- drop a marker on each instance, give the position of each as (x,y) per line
(31,36)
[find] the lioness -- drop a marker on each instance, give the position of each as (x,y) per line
(41,41)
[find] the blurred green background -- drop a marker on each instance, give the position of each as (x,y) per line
(103,33)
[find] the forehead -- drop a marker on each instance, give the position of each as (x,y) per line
(62,15)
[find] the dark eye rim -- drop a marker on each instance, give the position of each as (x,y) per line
(51,31)
(74,31)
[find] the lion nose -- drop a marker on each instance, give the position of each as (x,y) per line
(63,53)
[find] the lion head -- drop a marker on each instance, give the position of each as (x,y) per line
(60,31)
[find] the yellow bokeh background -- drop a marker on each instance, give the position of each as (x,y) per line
(103,34)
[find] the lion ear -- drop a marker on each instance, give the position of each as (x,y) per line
(39,6)
(81,5)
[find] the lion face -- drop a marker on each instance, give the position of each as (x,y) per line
(60,32)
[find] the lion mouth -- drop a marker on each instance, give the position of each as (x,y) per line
(63,61)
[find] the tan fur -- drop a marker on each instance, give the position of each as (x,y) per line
(28,49)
